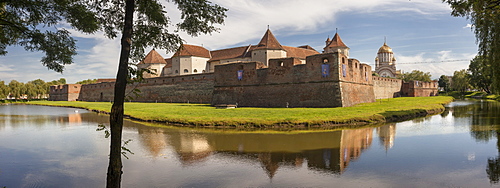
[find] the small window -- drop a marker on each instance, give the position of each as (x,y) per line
(281,63)
(325,60)
(176,71)
(186,71)
(195,71)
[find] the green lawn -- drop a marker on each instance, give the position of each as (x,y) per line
(205,115)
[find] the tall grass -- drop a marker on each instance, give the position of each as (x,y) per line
(206,115)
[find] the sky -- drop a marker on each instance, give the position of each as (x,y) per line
(422,33)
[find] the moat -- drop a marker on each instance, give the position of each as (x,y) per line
(44,146)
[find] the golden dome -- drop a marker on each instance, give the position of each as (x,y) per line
(385,49)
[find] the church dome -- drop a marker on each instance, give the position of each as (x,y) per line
(385,49)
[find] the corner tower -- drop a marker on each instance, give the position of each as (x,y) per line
(154,62)
(385,62)
(336,45)
(268,48)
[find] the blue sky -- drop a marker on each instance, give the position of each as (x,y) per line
(417,31)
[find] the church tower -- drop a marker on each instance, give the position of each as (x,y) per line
(385,62)
(268,48)
(336,45)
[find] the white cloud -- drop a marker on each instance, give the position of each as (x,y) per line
(439,63)
(469,26)
(246,22)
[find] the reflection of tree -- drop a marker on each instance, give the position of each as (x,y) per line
(493,168)
(485,126)
(485,120)
(445,113)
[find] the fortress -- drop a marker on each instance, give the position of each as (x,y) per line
(264,75)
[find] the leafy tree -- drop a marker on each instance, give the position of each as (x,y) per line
(30,90)
(415,75)
(444,82)
(88,81)
(33,25)
(16,88)
(480,74)
(61,81)
(144,23)
(460,81)
(4,90)
(485,17)
(36,88)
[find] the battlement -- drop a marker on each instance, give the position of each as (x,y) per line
(318,68)
(288,82)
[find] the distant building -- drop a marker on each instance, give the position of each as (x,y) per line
(385,62)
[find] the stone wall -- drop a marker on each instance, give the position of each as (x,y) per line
(384,88)
(419,89)
(178,89)
(286,82)
(66,92)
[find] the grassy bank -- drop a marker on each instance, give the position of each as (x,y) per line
(204,115)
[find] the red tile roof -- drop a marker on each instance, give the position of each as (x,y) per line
(191,50)
(268,41)
(153,57)
(300,53)
(336,42)
(231,53)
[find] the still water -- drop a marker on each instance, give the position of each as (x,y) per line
(59,147)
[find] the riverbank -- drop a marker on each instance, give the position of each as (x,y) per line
(385,110)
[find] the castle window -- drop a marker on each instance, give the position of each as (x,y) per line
(195,70)
(176,71)
(281,63)
(325,60)
(186,71)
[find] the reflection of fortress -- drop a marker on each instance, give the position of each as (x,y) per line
(329,152)
(265,75)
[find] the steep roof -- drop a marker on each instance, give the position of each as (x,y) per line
(270,42)
(299,52)
(153,57)
(336,42)
(231,53)
(191,50)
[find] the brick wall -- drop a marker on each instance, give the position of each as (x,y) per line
(188,88)
(419,89)
(318,83)
(384,88)
(66,92)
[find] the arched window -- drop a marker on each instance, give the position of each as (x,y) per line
(325,60)
(176,71)
(281,63)
(195,71)
(186,71)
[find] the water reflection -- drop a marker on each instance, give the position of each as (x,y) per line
(329,152)
(429,149)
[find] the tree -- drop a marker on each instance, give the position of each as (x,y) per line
(16,88)
(416,75)
(460,81)
(4,90)
(32,24)
(444,82)
(148,28)
(480,74)
(485,18)
(88,81)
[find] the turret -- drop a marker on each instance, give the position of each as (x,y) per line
(336,45)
